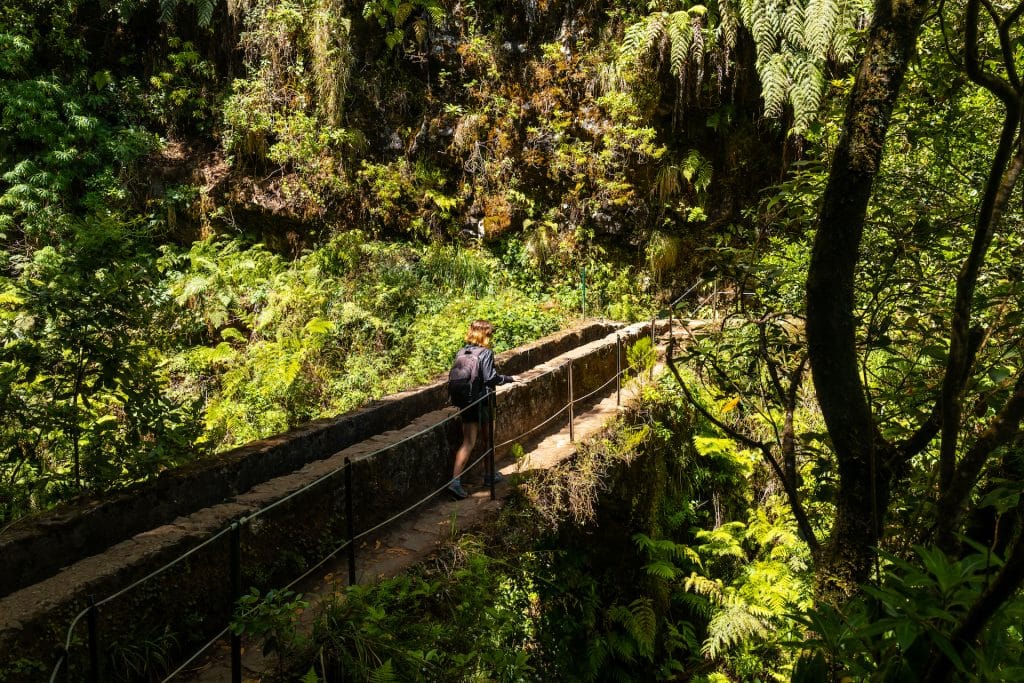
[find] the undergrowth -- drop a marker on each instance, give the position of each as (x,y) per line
(610,567)
(267,344)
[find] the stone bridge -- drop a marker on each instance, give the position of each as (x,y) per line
(158,555)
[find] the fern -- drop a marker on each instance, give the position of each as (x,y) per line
(656,29)
(680,36)
(709,588)
(793,26)
(763,30)
(634,43)
(774,84)
(822,18)
(697,170)
(204,11)
(808,86)
(385,673)
(597,654)
(698,50)
(662,570)
(643,626)
(436,13)
(420,31)
(677,37)
(402,13)
(793,41)
(167,9)
(732,626)
(728,23)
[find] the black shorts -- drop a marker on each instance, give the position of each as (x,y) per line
(478,412)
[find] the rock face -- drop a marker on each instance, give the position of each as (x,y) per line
(288,495)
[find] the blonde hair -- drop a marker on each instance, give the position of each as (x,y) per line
(479,333)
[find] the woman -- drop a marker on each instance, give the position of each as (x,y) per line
(478,347)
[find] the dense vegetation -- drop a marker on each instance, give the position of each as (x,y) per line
(650,563)
(217,221)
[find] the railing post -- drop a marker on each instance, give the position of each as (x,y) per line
(92,622)
(350,524)
(236,593)
(572,437)
(618,370)
(492,404)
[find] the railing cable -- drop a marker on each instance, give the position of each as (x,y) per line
(65,659)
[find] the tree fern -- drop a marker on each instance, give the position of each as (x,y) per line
(680,36)
(167,9)
(774,84)
(793,40)
(204,11)
(793,23)
(807,91)
(822,20)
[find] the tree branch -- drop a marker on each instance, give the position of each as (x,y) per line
(1007,45)
(972,62)
(1003,177)
(792,495)
(831,326)
(1003,427)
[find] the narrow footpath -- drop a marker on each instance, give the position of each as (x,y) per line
(417,536)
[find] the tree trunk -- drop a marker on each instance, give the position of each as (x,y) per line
(864,479)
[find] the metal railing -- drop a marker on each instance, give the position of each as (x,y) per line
(233,530)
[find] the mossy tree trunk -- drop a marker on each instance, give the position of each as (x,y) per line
(863,456)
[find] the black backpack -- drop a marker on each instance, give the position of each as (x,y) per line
(465,383)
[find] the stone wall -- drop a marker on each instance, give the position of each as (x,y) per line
(283,521)
(37,548)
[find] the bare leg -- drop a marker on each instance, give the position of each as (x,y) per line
(469,432)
